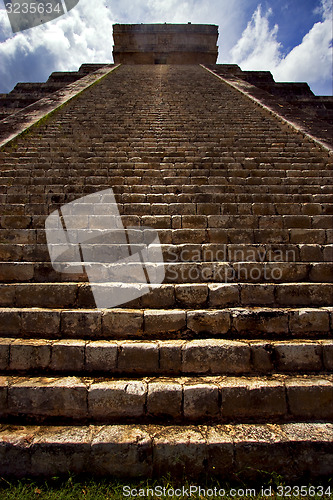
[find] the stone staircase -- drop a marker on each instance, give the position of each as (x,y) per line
(226,368)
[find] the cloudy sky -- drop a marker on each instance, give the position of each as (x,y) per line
(291,38)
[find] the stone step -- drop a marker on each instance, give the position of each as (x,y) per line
(144,451)
(187,399)
(189,295)
(165,221)
(120,323)
(297,236)
(310,253)
(164,357)
(176,272)
(215,186)
(185,204)
(230,203)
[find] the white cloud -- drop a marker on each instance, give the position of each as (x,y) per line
(311,61)
(82,35)
(258,47)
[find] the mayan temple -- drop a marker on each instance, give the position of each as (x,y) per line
(223,369)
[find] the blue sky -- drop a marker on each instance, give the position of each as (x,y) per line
(290,38)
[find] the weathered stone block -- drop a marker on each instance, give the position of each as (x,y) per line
(208,322)
(121,451)
(260,320)
(309,398)
(201,400)
(68,355)
(41,322)
(216,357)
(101,356)
(308,321)
(161,296)
(165,399)
(30,354)
(63,397)
(191,295)
(58,450)
(223,295)
(85,323)
(327,346)
(117,398)
(262,357)
(10,321)
(171,356)
(297,356)
(179,451)
(122,323)
(253,398)
(162,321)
(138,357)
(252,294)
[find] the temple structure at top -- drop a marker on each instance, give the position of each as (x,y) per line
(165,43)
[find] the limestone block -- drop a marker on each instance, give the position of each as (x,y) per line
(85,323)
(101,356)
(310,398)
(252,294)
(122,323)
(308,321)
(162,321)
(40,322)
(138,357)
(121,451)
(165,399)
(30,354)
(216,357)
(327,346)
(55,451)
(200,401)
(262,357)
(261,448)
(219,450)
(223,295)
(306,294)
(179,451)
(10,321)
(68,355)
(260,320)
(171,356)
(191,295)
(208,322)
(160,296)
(15,456)
(298,356)
(48,397)
(311,253)
(7,295)
(251,398)
(321,273)
(117,398)
(50,295)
